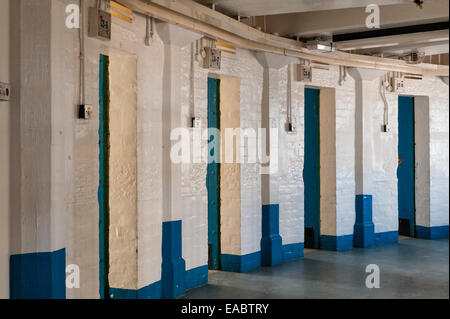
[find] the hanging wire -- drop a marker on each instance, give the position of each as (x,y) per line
(82,96)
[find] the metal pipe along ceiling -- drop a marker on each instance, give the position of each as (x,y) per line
(335,58)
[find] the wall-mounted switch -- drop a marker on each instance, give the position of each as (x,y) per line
(385,128)
(291,128)
(85,112)
(196,122)
(5,91)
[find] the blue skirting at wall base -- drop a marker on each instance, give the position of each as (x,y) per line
(293,251)
(173,266)
(434,232)
(196,277)
(152,291)
(388,237)
(236,263)
(193,278)
(38,275)
(337,243)
(363,230)
(271,241)
(117,293)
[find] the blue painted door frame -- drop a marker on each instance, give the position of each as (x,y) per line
(103,190)
(311,171)
(406,161)
(213,175)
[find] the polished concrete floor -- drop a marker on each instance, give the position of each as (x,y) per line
(413,268)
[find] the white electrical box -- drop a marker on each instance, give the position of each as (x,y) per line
(304,73)
(212,58)
(5,91)
(397,84)
(99,24)
(196,122)
(291,128)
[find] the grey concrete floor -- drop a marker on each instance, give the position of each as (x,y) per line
(413,268)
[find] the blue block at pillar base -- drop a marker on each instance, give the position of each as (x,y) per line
(173,268)
(40,275)
(364,229)
(271,241)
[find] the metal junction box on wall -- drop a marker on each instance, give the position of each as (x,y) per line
(5,91)
(304,73)
(99,24)
(397,84)
(212,58)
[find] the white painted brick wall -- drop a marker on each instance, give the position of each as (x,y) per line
(81,152)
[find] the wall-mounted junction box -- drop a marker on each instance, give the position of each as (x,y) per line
(304,73)
(5,91)
(211,58)
(196,122)
(85,112)
(291,128)
(99,24)
(385,128)
(397,84)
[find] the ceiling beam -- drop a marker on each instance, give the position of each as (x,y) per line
(249,8)
(438,26)
(196,22)
(333,22)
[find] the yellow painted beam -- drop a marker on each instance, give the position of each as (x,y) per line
(121,16)
(225,45)
(121,8)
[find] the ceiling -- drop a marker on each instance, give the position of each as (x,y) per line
(269,7)
(404,27)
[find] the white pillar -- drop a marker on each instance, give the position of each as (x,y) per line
(366,91)
(271,241)
(173,265)
(37,157)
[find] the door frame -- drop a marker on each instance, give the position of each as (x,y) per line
(316,161)
(412,219)
(212,183)
(103,190)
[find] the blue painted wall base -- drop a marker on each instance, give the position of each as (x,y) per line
(196,277)
(434,232)
(193,278)
(293,251)
(337,243)
(363,231)
(38,275)
(271,241)
(173,266)
(388,237)
(236,263)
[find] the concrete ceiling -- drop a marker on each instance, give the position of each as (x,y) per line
(247,8)
(307,19)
